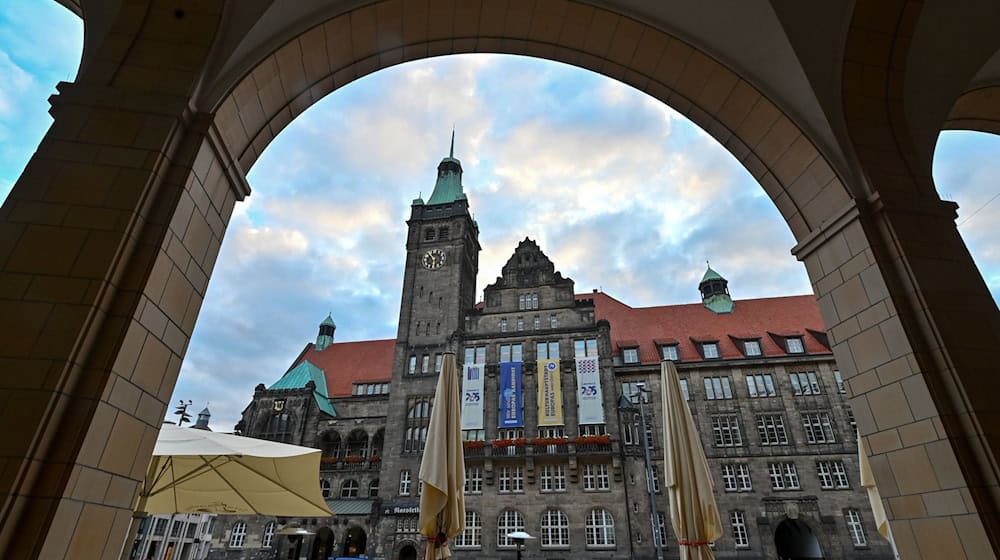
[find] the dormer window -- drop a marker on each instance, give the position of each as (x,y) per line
(793,345)
(710,350)
(630,355)
(669,352)
(751,348)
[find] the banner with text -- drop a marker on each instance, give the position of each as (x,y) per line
(550,409)
(590,399)
(511,398)
(472,397)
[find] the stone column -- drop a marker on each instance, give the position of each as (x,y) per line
(107,242)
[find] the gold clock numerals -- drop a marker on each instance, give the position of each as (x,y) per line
(433,259)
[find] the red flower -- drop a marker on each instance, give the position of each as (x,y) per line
(353,459)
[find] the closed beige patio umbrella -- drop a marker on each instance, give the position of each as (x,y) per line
(442,469)
(874,498)
(693,512)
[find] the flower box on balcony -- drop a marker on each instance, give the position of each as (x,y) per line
(550,441)
(474,444)
(518,442)
(328,460)
(374,459)
(353,459)
(590,440)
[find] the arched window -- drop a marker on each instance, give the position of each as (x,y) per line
(238,535)
(555,529)
(373,488)
(509,521)
(330,444)
(279,428)
(357,444)
(600,528)
(349,489)
(471,537)
(265,541)
(325,487)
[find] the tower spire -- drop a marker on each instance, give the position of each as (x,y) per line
(451,153)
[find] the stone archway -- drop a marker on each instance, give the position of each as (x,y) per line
(794,540)
(111,234)
(407,552)
(323,544)
(355,541)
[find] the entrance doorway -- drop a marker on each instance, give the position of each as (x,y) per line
(355,541)
(408,552)
(322,547)
(796,541)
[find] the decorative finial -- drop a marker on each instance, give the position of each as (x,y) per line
(451,154)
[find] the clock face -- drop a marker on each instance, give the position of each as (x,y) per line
(433,259)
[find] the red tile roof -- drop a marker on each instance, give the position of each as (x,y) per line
(751,318)
(347,363)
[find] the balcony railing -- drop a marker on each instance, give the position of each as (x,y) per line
(487,449)
(346,465)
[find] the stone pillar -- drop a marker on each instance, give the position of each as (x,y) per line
(107,242)
(912,324)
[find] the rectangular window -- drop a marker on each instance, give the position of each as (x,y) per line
(630,355)
(805,383)
(684,389)
(585,347)
(521,302)
(503,325)
(771,428)
(553,478)
(553,321)
(736,477)
(404,482)
(475,354)
(839,380)
(593,430)
(794,344)
(536,322)
(425,363)
(653,480)
(851,420)
(855,527)
(547,350)
(471,537)
(760,385)
(418,414)
(718,388)
(784,476)
(710,350)
(595,477)
(438,360)
(510,352)
(751,347)
(726,429)
(832,475)
(739,529)
(669,352)
(729,478)
(473,435)
(661,528)
(474,480)
(412,369)
(511,480)
(520,323)
(534,301)
(818,427)
(743,477)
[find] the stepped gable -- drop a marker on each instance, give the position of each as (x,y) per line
(528,267)
(347,363)
(685,325)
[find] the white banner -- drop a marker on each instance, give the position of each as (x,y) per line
(590,400)
(472,397)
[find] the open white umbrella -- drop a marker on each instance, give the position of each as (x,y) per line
(442,469)
(693,512)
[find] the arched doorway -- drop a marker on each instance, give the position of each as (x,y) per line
(322,547)
(408,552)
(794,540)
(355,541)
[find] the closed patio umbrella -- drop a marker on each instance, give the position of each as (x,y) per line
(442,469)
(693,512)
(874,498)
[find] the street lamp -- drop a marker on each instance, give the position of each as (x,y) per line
(626,403)
(519,537)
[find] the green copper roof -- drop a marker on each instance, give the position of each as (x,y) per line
(711,275)
(298,376)
(328,321)
(719,303)
(448,187)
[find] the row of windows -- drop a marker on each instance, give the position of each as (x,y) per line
(425,364)
(817,427)
(710,350)
(737,521)
(536,323)
(370,389)
(510,479)
(430,234)
(599,528)
(350,489)
(832,475)
(543,432)
(238,535)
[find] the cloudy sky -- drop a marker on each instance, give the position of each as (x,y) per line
(622,193)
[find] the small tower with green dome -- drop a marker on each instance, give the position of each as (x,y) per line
(715,292)
(326,330)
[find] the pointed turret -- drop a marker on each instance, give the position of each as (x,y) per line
(203,417)
(326,331)
(448,187)
(715,292)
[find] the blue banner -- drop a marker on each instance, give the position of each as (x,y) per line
(511,396)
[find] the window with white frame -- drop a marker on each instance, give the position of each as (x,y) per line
(751,348)
(420,486)
(324,487)
(520,323)
(739,524)
(536,322)
(473,435)
(438,362)
(630,355)
(373,488)
(473,480)
(527,301)
(710,350)
(669,352)
(726,430)
(855,527)
(839,380)
(511,479)
(804,383)
(771,429)
(736,477)
(268,537)
(547,350)
(510,352)
(555,529)
(818,427)
(238,535)
(349,489)
(585,347)
(475,355)
(508,522)
(503,325)
(406,524)
(729,478)
(404,482)
(851,420)
(794,345)
(471,537)
(743,477)
(595,477)
(718,388)
(553,478)
(593,430)
(653,480)
(684,389)
(832,475)
(760,385)
(600,529)
(553,321)
(425,363)
(412,368)
(661,528)
(784,476)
